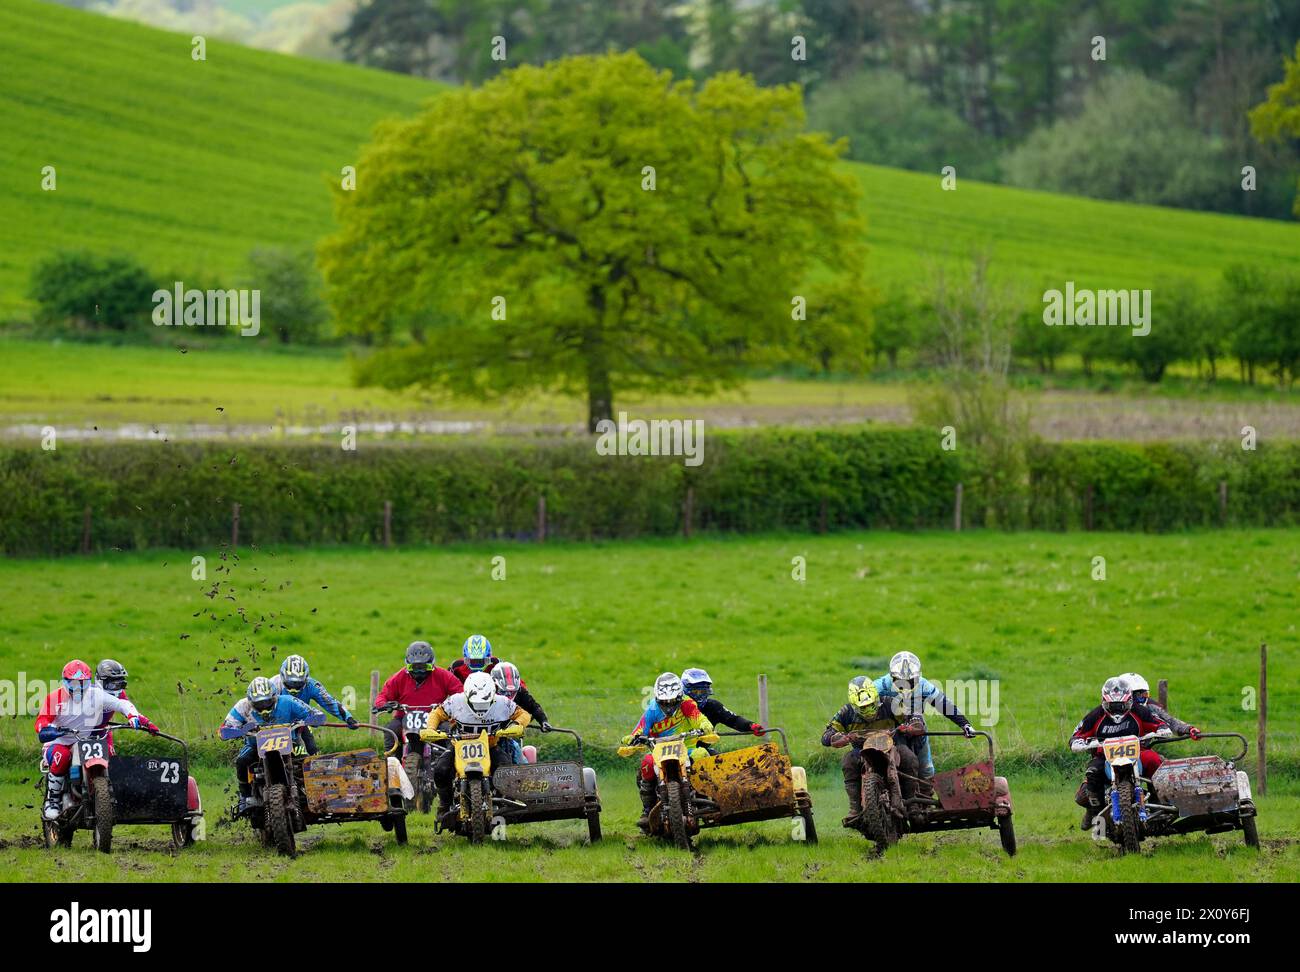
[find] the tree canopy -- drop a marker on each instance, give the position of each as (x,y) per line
(592,226)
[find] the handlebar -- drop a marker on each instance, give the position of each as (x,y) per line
(367,725)
(785,743)
(954,732)
(570,732)
(1245,746)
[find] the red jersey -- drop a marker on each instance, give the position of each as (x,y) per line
(435,689)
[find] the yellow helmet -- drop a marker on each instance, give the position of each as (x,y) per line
(863,695)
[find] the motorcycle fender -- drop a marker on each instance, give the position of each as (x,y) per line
(94,767)
(1001,796)
(1243,786)
(799,778)
(193,802)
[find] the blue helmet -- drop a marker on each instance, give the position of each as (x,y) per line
(477,650)
(294,672)
(697,684)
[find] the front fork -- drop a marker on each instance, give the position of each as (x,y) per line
(1138,794)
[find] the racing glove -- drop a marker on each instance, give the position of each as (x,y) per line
(839,740)
(140,722)
(1193,732)
(352,722)
(968,731)
(545,726)
(756,729)
(49,734)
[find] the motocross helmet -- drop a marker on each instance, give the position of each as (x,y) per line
(77,677)
(476,650)
(905,671)
(697,684)
(111,676)
(294,672)
(1138,686)
(1116,698)
(480,692)
(863,695)
(668,692)
(419,660)
(262,693)
(506,677)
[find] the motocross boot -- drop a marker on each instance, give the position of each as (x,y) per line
(446,812)
(1094,807)
(53,797)
(647,790)
(854,790)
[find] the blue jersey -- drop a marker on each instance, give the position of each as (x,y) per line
(314,691)
(905,706)
(287,709)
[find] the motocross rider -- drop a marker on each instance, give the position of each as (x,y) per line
(262,705)
(295,679)
(476,656)
(668,713)
(865,713)
(699,689)
(78,705)
(421,683)
(906,693)
(510,684)
(1116,716)
(1142,696)
(478,707)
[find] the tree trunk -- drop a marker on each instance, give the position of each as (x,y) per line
(600,399)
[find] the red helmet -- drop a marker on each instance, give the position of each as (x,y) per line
(78,670)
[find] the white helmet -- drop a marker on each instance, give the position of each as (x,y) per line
(905,671)
(668,691)
(480,692)
(1135,682)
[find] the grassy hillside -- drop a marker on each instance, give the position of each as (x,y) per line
(190,164)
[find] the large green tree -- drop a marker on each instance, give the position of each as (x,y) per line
(514,231)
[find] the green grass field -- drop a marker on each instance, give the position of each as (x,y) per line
(591,626)
(188,165)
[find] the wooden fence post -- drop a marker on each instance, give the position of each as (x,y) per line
(85,530)
(821,517)
(762,701)
(1223,502)
(234,527)
(1261,741)
(541,519)
(1162,693)
(374,688)
(956,509)
(1087,507)
(388,523)
(688,511)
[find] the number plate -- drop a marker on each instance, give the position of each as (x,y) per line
(1122,748)
(93,749)
(274,739)
(671,750)
(470,749)
(415,721)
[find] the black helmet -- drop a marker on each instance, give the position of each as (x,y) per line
(419,660)
(111,676)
